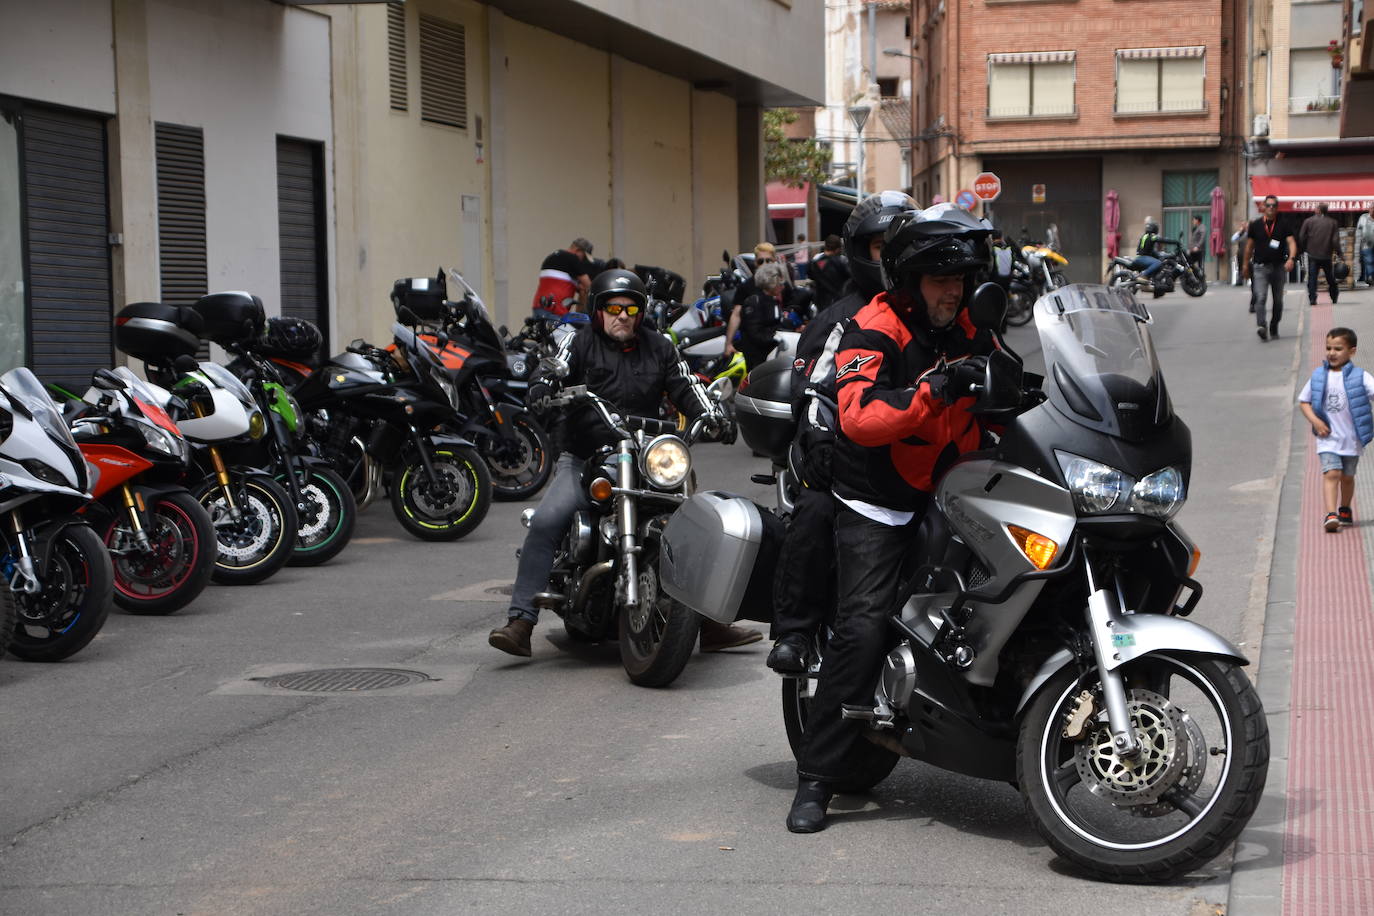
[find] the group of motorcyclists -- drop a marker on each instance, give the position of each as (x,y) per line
(882,387)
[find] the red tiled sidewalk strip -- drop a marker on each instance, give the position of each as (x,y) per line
(1328,863)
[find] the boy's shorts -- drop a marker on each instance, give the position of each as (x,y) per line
(1343,463)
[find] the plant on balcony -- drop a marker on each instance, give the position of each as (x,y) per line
(1337,53)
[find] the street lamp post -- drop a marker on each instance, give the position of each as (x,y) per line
(858,114)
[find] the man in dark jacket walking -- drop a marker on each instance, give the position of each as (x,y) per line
(1319,238)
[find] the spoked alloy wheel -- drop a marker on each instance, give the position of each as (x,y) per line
(448,508)
(1200,773)
(257,543)
(74,601)
(658,634)
(176,569)
(519,467)
(1020,309)
(1194,282)
(326,522)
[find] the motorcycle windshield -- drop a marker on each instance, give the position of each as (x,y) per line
(228,381)
(1101,368)
(24,387)
(150,399)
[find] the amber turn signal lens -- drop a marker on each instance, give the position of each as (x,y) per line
(1039,549)
(1194,561)
(600,489)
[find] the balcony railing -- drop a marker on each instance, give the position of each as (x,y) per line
(1314,104)
(1039,111)
(1190,105)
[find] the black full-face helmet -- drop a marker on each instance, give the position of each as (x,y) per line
(612,284)
(943,240)
(871,217)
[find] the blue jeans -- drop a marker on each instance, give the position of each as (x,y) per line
(1267,278)
(550,523)
(1147,265)
(1367,263)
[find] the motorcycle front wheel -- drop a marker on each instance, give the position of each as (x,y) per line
(520,466)
(659,634)
(1194,282)
(1199,775)
(867,764)
(326,514)
(175,569)
(72,604)
(449,507)
(259,541)
(1020,308)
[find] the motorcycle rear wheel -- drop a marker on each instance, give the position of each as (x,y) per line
(260,543)
(867,765)
(518,469)
(658,638)
(66,615)
(449,509)
(326,525)
(1205,754)
(181,561)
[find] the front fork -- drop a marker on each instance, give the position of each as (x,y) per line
(25,578)
(225,484)
(628,519)
(133,504)
(1104,610)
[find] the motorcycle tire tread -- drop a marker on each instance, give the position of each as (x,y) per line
(200,575)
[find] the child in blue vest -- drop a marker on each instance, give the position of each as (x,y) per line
(1336,402)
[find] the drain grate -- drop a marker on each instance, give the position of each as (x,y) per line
(344,680)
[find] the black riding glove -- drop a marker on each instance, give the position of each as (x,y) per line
(539,397)
(957,380)
(817,447)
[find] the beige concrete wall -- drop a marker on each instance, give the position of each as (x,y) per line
(715,201)
(58,51)
(556,157)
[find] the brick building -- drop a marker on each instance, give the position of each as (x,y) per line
(1066,100)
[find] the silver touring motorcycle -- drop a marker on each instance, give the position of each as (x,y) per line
(1042,638)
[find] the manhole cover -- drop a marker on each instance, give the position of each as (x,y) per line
(344,680)
(499,590)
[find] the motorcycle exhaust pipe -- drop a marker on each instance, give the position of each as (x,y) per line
(589,578)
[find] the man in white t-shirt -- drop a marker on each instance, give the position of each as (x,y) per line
(1336,402)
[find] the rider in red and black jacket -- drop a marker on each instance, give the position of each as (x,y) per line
(904,372)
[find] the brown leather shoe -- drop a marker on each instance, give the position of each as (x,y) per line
(717,636)
(514,637)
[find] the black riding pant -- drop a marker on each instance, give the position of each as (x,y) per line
(804,583)
(871,560)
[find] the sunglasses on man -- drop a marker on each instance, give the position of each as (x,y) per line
(615,308)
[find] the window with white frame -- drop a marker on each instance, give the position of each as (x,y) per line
(1151,80)
(1313,84)
(1031,84)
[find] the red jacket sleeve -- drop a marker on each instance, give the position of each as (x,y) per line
(874,410)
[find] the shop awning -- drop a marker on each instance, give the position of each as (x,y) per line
(1349,192)
(785,202)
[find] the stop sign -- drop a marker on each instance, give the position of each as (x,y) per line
(987,186)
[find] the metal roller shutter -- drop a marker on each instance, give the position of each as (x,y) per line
(69,246)
(181,216)
(300,222)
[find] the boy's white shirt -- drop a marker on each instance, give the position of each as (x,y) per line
(1343,439)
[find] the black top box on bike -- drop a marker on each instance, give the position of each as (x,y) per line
(231,317)
(154,332)
(423,296)
(763,407)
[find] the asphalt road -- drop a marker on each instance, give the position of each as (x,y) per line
(149,774)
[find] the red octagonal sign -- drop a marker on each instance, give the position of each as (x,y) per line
(987,186)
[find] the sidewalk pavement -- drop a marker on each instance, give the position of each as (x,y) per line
(1316,676)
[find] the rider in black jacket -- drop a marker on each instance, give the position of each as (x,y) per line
(632,366)
(803,587)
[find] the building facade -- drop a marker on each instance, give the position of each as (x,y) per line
(160,149)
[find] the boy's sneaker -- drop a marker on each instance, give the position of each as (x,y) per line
(1346,516)
(1333,522)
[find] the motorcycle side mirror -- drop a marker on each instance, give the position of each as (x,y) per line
(185,364)
(558,368)
(442,339)
(106,380)
(988,307)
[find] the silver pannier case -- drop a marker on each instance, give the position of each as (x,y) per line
(718,556)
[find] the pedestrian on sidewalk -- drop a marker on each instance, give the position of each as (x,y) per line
(1364,244)
(1270,252)
(1318,238)
(1335,401)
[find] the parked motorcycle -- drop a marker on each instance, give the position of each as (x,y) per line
(255,520)
(1041,637)
(1045,268)
(56,566)
(604,582)
(161,539)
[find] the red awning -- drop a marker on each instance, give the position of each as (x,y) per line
(1348,192)
(785,202)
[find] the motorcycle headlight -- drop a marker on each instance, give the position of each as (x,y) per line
(257,426)
(160,440)
(45,472)
(1096,487)
(666,462)
(1160,494)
